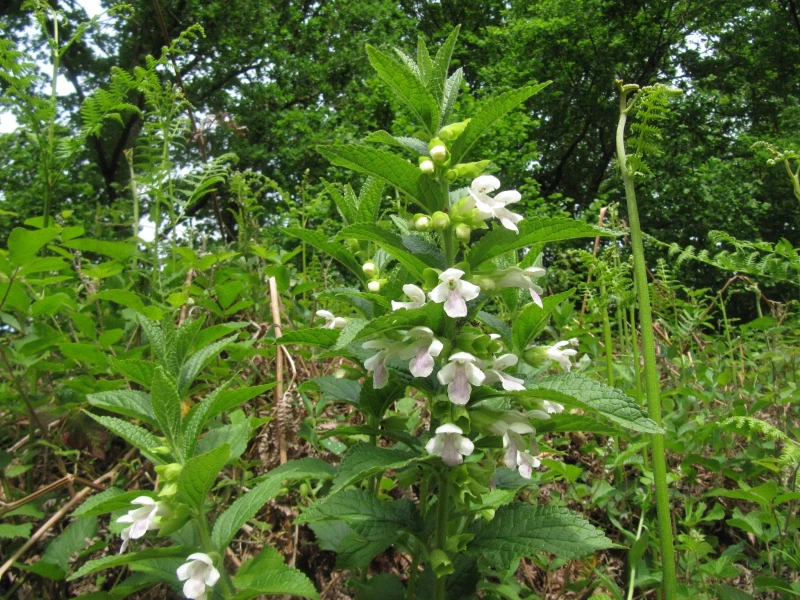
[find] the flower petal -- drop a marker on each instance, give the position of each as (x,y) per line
(469,291)
(440,293)
(464,445)
(447,373)
(422,364)
(455,306)
(448,428)
(450,455)
(459,390)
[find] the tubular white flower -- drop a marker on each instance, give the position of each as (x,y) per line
(438,153)
(422,351)
(512,442)
(459,375)
(377,363)
(450,445)
(495,373)
(521,278)
(427,166)
(495,207)
(454,292)
(199,573)
(331,320)
(527,463)
(374,286)
(561,355)
(142,519)
(553,408)
(415,294)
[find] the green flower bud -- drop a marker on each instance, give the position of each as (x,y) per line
(439,153)
(353,244)
(161,450)
(535,356)
(451,175)
(369,268)
(422,222)
(440,220)
(463,232)
(452,131)
(169,490)
(471,170)
(169,472)
(347,373)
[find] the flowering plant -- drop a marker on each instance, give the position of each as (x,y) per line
(432,281)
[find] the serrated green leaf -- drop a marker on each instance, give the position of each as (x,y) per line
(488,114)
(410,90)
(408,250)
(345,205)
(75,538)
(198,361)
(385,166)
(308,467)
(110,500)
(532,320)
(199,474)
(336,251)
(585,423)
(266,574)
(407,143)
(334,389)
(9,531)
(166,405)
(531,231)
(316,337)
(133,434)
(117,560)
(140,371)
(365,460)
(241,511)
(369,201)
(131,403)
(439,68)
(431,315)
(574,389)
(521,530)
(451,88)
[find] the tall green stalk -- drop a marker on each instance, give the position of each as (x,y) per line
(649,350)
(51,131)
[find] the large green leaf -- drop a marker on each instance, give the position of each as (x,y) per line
(166,404)
(488,114)
(117,560)
(412,251)
(532,320)
(336,251)
(365,460)
(384,165)
(344,203)
(407,87)
(308,467)
(242,510)
(430,315)
(199,474)
(369,200)
(531,231)
(74,539)
(520,530)
(24,244)
(268,575)
(574,389)
(140,371)
(131,403)
(441,64)
(116,250)
(361,509)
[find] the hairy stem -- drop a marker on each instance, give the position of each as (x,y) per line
(649,351)
(441,532)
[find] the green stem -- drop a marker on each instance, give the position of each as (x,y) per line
(205,538)
(48,187)
(441,533)
(607,341)
(650,366)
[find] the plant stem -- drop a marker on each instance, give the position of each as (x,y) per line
(441,532)
(48,187)
(607,340)
(202,528)
(650,366)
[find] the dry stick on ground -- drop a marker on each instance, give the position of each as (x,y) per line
(591,268)
(274,303)
(77,499)
(66,480)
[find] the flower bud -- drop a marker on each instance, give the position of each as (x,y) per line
(427,166)
(169,472)
(169,490)
(353,244)
(451,175)
(452,131)
(487,284)
(463,232)
(369,268)
(439,153)
(535,356)
(374,286)
(422,222)
(440,220)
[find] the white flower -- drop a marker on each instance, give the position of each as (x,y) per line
(460,374)
(369,268)
(198,573)
(377,363)
(496,374)
(438,153)
(527,463)
(422,351)
(331,321)
(415,294)
(450,445)
(561,355)
(454,292)
(427,166)
(522,278)
(495,207)
(143,519)
(374,286)
(553,408)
